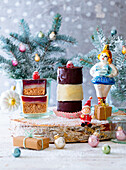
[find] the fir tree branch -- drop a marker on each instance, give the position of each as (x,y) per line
(42,46)
(26,32)
(13,55)
(39,44)
(56,24)
(29,47)
(55,49)
(46,49)
(124,59)
(81,59)
(67,39)
(21,39)
(18,37)
(24,28)
(3,60)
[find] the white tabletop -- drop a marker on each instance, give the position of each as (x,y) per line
(75,156)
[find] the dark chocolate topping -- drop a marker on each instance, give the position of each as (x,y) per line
(69,106)
(69,75)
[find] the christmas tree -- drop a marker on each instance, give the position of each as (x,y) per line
(27,53)
(117,46)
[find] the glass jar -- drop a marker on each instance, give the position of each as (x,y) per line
(47,113)
(118,128)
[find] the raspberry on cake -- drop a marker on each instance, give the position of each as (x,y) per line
(36,75)
(69,64)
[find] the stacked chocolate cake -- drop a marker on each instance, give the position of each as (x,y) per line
(69,90)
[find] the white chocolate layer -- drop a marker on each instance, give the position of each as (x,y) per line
(33,86)
(68,92)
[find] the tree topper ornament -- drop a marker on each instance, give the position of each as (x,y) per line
(85,116)
(103,73)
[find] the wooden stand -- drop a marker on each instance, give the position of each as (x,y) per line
(69,128)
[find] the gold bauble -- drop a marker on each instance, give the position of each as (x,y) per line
(59,142)
(37,58)
(124,50)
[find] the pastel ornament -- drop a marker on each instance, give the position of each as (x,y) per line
(113,32)
(14,63)
(52,36)
(37,58)
(120,134)
(93,140)
(22,48)
(59,142)
(9,100)
(103,73)
(106,149)
(16,152)
(40,34)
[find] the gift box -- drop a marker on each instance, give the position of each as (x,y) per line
(101,112)
(37,143)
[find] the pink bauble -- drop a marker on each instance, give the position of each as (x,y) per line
(14,63)
(120,135)
(93,141)
(22,48)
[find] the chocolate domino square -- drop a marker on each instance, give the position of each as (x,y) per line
(34,104)
(34,87)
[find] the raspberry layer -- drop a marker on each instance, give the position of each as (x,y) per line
(34,98)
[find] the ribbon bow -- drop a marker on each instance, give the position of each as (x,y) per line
(103,104)
(31,135)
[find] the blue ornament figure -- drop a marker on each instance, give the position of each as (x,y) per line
(103,73)
(16,152)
